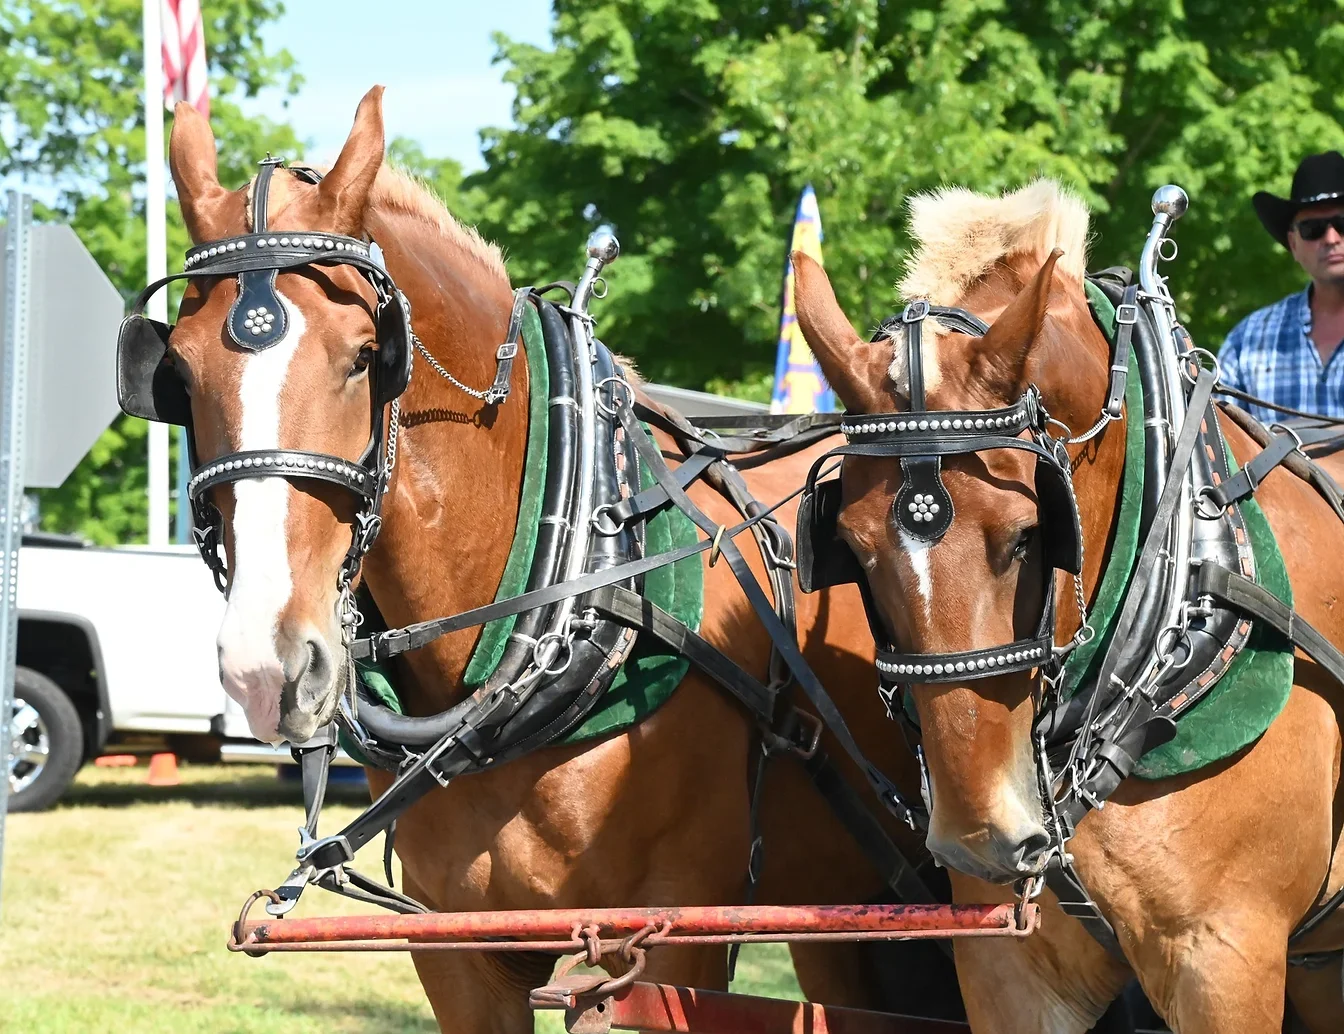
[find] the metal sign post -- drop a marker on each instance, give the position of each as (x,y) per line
(13,390)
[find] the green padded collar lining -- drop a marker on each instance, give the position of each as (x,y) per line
(1082,663)
(494,637)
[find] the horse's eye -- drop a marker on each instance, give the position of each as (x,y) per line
(362,361)
(1022,544)
(174,362)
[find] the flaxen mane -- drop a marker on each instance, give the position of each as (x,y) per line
(398,191)
(960,235)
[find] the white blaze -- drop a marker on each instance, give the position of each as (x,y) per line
(918,554)
(249,666)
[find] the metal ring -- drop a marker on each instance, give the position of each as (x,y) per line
(714,549)
(1193,355)
(1174,249)
(1205,509)
(237,939)
(603,524)
(1288,430)
(617,404)
(599,280)
(1068,431)
(540,648)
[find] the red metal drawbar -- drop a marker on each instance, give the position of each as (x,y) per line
(572,929)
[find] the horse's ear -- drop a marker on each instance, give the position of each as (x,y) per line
(855,368)
(191,157)
(345,189)
(1002,352)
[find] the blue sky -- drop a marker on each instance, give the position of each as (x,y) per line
(432,55)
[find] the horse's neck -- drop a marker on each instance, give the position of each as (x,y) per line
(449,518)
(1098,478)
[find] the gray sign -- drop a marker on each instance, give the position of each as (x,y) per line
(73,315)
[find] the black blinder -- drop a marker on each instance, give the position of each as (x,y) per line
(824,558)
(394,348)
(147,385)
(1061,530)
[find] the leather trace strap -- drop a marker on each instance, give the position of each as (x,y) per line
(1245,595)
(636,611)
(1074,900)
(775,432)
(399,640)
(1213,501)
(786,643)
(1255,400)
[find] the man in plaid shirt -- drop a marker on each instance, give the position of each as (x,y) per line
(1288,353)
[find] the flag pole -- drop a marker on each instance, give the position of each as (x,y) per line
(156,248)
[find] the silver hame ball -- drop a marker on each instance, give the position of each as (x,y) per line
(602,244)
(1170,200)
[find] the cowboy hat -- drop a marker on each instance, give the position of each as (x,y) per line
(1319,178)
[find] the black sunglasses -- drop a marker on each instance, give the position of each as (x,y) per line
(1314,229)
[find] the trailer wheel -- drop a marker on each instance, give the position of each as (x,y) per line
(46,742)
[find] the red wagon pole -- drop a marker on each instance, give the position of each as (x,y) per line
(576,929)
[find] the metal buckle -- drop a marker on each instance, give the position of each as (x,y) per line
(507,350)
(307,850)
(389,644)
(915,311)
(1127,314)
(811,739)
(1297,438)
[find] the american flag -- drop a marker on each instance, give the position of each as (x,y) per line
(184,72)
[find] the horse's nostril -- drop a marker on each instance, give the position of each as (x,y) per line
(1033,849)
(319,661)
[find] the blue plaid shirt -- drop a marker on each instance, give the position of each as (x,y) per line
(1270,354)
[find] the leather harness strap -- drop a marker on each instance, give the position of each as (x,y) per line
(634,610)
(1243,594)
(787,645)
(1299,464)
(1243,483)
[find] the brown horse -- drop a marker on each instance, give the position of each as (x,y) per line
(654,815)
(1203,876)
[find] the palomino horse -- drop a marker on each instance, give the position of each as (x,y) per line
(655,815)
(1202,876)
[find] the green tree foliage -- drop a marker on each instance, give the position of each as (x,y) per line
(441,175)
(71,114)
(691,125)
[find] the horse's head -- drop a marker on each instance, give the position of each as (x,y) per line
(982,582)
(309,388)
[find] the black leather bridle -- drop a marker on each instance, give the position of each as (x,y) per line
(923,508)
(149,387)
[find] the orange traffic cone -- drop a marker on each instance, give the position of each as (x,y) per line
(163,770)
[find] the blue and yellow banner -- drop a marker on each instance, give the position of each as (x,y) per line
(799,385)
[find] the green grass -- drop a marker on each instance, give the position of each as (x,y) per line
(116,907)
